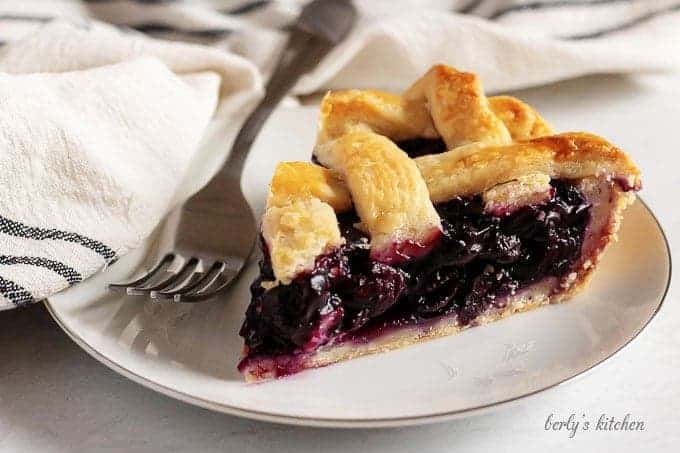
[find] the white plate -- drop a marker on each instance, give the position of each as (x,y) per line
(190,351)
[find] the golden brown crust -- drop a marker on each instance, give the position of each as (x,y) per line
(565,156)
(296,234)
(300,180)
(570,156)
(522,121)
(459,109)
(530,189)
(389,193)
(384,113)
(471,117)
(299,223)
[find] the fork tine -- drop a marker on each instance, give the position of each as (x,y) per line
(204,281)
(208,291)
(163,262)
(191,281)
(178,277)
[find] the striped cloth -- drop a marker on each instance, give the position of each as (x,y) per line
(510,43)
(495,38)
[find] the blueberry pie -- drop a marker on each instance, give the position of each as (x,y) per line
(421,215)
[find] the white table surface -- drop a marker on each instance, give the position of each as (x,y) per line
(55,398)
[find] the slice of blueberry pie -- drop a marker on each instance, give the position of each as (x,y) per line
(424,214)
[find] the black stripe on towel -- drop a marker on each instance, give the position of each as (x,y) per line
(535,6)
(152,27)
(70,275)
(16,294)
(247,7)
(18,229)
(626,25)
(470,6)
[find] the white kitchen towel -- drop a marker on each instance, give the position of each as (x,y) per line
(97,129)
(510,43)
(113,113)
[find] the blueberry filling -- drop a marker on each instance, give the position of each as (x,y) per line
(417,147)
(480,259)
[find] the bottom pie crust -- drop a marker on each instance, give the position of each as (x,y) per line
(608,201)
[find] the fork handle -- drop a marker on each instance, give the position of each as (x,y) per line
(301,53)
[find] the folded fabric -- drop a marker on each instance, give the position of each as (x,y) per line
(510,43)
(90,159)
(113,113)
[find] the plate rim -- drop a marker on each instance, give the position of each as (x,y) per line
(330,422)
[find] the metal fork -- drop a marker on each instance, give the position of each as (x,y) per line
(216,230)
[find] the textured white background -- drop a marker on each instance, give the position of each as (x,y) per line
(54,397)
